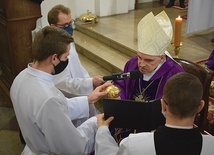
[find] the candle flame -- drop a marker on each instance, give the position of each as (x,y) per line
(179,16)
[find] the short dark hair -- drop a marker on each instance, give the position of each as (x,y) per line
(54,13)
(48,41)
(183,94)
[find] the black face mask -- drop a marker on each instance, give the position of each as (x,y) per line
(61,66)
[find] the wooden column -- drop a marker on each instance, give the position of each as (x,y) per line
(17,20)
(136,4)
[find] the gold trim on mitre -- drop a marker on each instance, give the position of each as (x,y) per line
(154,34)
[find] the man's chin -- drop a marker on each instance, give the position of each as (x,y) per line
(144,72)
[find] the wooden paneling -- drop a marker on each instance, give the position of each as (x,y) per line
(17,20)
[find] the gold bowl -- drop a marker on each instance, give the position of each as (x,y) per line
(113,91)
(88,17)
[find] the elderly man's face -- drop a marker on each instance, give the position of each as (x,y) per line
(148,63)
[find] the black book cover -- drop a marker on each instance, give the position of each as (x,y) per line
(144,116)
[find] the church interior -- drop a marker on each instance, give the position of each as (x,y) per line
(104,47)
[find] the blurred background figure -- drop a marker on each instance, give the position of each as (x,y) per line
(172,3)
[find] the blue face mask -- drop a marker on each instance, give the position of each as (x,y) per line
(68,29)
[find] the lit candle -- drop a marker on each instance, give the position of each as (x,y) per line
(178,26)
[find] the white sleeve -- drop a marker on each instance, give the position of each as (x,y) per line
(60,134)
(106,145)
(73,86)
(92,112)
(134,144)
(78,107)
(207,145)
(75,67)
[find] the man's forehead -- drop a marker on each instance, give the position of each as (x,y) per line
(146,56)
(64,18)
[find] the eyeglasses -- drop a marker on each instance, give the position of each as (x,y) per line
(58,58)
(61,60)
(66,25)
(165,101)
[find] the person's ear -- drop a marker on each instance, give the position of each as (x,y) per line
(201,106)
(163,57)
(163,105)
(54,59)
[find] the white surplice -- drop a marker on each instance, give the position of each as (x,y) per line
(200,16)
(45,119)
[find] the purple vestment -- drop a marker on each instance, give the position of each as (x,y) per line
(210,61)
(168,69)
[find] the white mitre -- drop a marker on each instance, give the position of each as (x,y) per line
(154,34)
